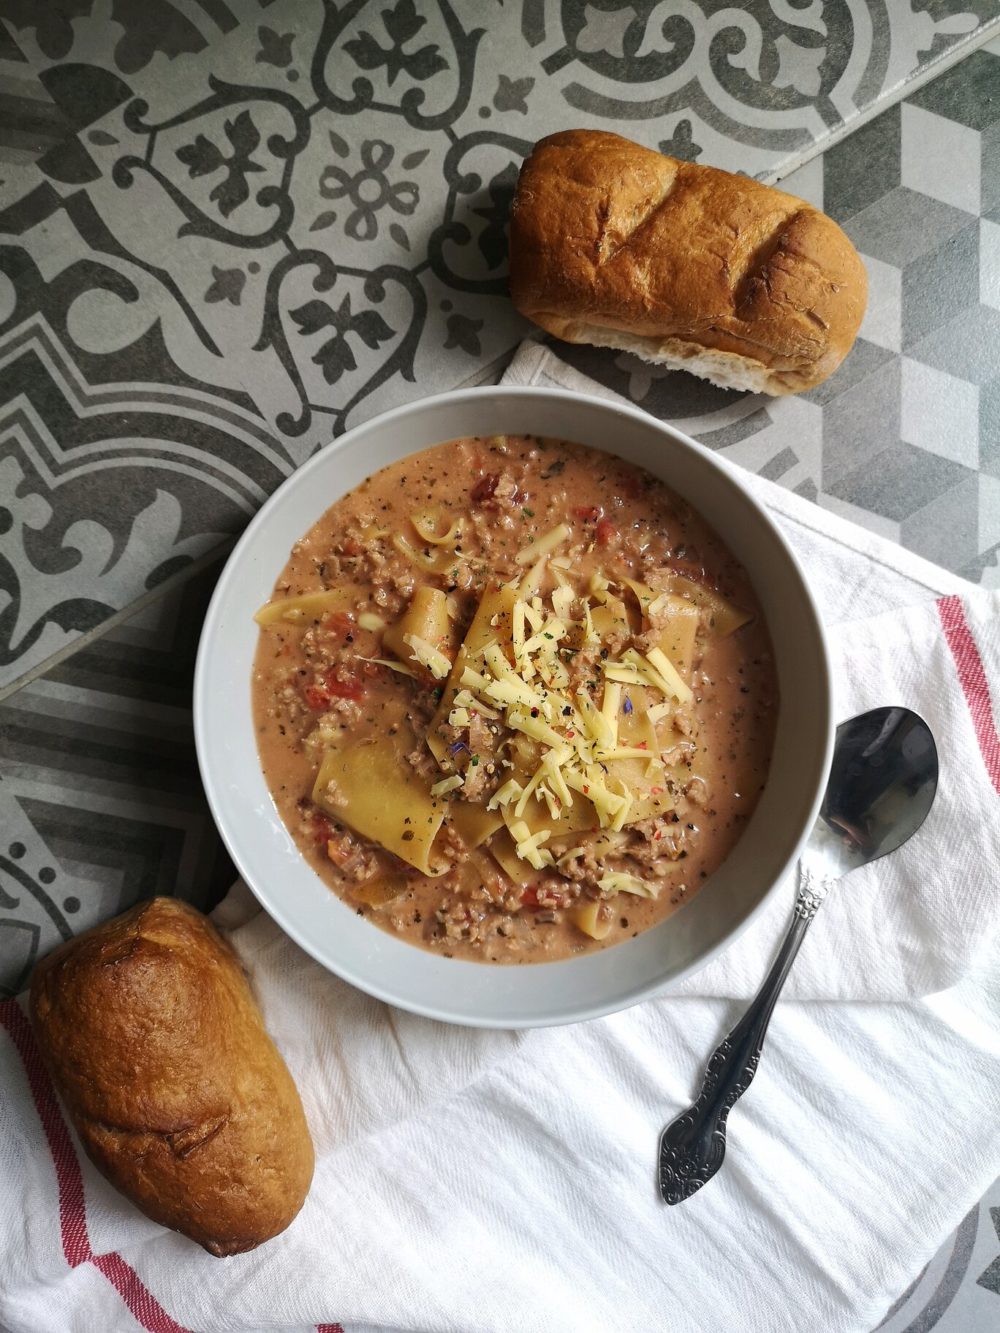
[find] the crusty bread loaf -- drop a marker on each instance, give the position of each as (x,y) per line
(180,1098)
(685,265)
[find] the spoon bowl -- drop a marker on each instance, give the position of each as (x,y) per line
(882,783)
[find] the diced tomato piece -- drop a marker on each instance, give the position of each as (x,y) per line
(343,689)
(316,696)
(339,849)
(587,514)
(484,488)
(350,547)
(340,621)
(605,532)
(529,897)
(322,830)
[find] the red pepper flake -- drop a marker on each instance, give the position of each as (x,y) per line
(587,513)
(655,791)
(643,745)
(570,735)
(586,790)
(657,836)
(605,531)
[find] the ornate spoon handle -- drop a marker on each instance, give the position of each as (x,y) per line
(692,1146)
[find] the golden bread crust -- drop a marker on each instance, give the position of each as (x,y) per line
(157,1047)
(671,259)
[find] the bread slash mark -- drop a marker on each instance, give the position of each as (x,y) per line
(755,273)
(640,223)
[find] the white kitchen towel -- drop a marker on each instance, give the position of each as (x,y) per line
(468,1181)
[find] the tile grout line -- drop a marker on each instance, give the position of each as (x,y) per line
(931,71)
(149,598)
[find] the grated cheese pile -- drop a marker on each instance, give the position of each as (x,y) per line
(532,695)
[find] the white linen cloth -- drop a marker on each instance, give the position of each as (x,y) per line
(475,1181)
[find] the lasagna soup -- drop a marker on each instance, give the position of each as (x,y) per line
(514,699)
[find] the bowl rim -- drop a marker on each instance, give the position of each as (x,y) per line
(383,989)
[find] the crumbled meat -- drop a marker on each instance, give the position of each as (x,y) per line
(423,762)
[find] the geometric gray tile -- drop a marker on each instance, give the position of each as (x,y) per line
(965,346)
(898,482)
(863,360)
(939,413)
(883,321)
(989,170)
(902,225)
(966,93)
(860,425)
(989,428)
(101,803)
(940,283)
(941,530)
(941,158)
(862,168)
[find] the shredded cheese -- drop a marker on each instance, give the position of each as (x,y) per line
(428,656)
(399,667)
(447,785)
(675,685)
(543,545)
(619,882)
(564,741)
(510,791)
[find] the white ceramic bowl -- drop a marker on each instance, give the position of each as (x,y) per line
(535,994)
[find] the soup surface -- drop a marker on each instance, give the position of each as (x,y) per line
(514,699)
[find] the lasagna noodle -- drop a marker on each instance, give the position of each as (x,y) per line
(376,793)
(496,603)
(308,606)
(425,618)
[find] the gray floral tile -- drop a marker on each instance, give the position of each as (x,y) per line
(128,446)
(273,220)
(958,1290)
(100,801)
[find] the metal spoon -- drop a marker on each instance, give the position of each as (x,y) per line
(881,787)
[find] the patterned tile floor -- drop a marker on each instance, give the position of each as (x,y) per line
(175,332)
(174,340)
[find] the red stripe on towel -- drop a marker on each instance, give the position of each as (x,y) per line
(69,1183)
(69,1180)
(139,1299)
(972,678)
(329,1328)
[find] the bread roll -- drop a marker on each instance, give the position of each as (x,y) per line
(156,1045)
(684,265)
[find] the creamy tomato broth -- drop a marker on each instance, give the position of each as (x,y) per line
(514,699)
